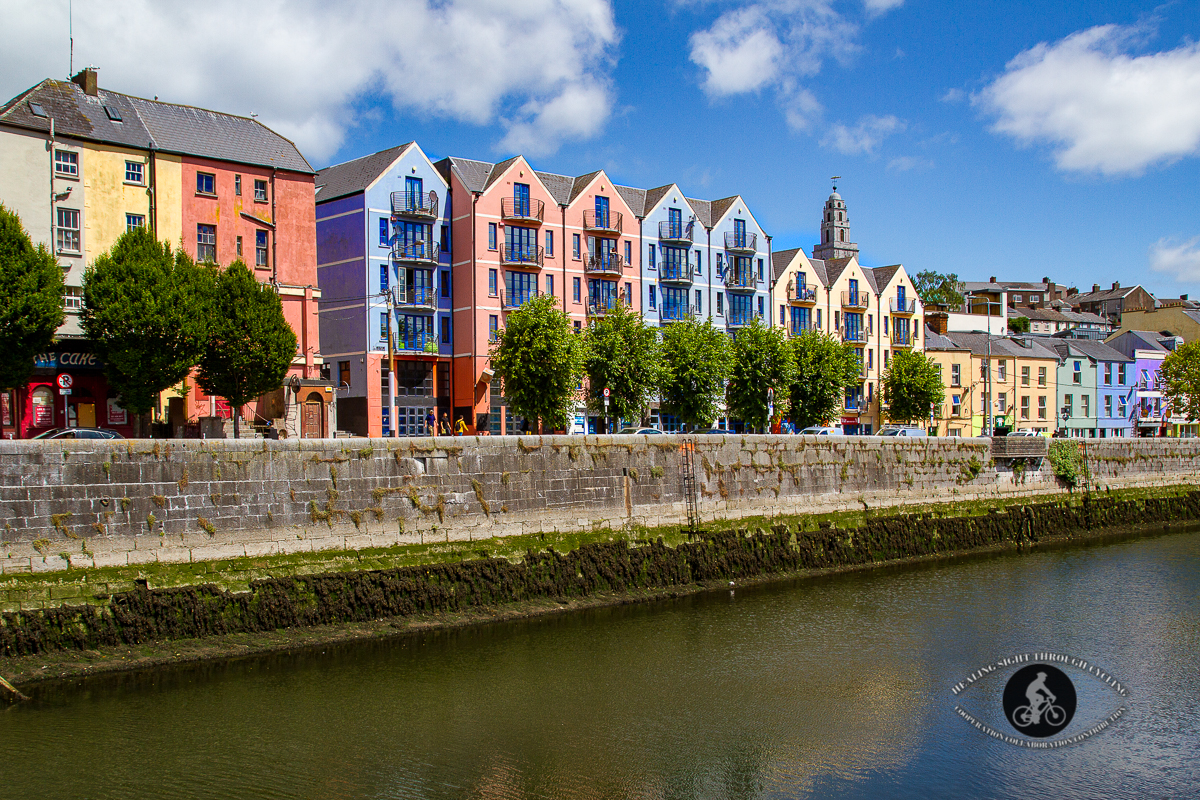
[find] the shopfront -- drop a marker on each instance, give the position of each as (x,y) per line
(68,389)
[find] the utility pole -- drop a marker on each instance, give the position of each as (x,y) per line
(391,361)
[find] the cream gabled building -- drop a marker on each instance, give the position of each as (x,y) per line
(877,309)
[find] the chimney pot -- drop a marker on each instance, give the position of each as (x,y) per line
(1116,285)
(1095,287)
(86,80)
(992,279)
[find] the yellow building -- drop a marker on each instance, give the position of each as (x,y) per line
(1014,377)
(954,417)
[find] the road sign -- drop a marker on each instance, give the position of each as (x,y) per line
(64,391)
(65,381)
(606,391)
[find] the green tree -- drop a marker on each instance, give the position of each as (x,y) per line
(939,289)
(31,290)
(1018,324)
(624,355)
(540,360)
(144,308)
(762,360)
(250,344)
(1180,375)
(697,359)
(911,384)
(824,368)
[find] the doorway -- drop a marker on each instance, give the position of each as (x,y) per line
(313,419)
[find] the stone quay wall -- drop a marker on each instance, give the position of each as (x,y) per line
(79,504)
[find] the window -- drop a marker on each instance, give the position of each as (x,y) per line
(206,183)
(956,405)
(135,221)
(956,374)
(206,243)
(760,306)
(1077,376)
(133,172)
(444,237)
(383,277)
(983,367)
(491,283)
(699,301)
(491,236)
(1085,402)
(629,294)
(66,163)
(1120,374)
(344,374)
(260,249)
(650,258)
(237,185)
(886,358)
(383,326)
(1041,376)
(549,243)
(578,326)
(818,318)
(1121,407)
(445,283)
(493,328)
(871,359)
(260,191)
(1035,298)
(870,324)
(1108,373)
(239,247)
(653,299)
(72,298)
(575,284)
(549,284)
(1016,298)
(760,269)
(384,235)
(575,246)
(628,252)
(1024,406)
(1002,401)
(720,303)
(783,316)
(1069,404)
(68,230)
(445,330)
(1041,406)
(1003,371)
(885,326)
(1108,405)
(1024,376)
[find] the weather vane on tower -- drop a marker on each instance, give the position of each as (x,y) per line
(835,179)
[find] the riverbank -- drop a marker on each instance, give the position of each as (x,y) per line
(420,589)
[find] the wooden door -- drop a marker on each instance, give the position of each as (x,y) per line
(85,415)
(312,427)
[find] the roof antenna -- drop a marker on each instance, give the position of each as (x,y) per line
(71,33)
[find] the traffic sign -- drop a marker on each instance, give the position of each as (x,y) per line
(65,381)
(64,391)
(606,391)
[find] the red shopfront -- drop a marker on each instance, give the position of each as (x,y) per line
(43,404)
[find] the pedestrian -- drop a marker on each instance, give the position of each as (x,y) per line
(460,427)
(445,426)
(430,424)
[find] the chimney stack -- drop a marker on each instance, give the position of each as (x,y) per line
(992,279)
(86,80)
(1116,285)
(937,321)
(1095,287)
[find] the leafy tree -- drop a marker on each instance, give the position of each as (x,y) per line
(911,385)
(762,360)
(624,355)
(31,289)
(144,310)
(934,287)
(824,368)
(250,344)
(697,359)
(1018,324)
(540,361)
(1180,375)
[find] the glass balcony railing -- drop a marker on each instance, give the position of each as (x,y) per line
(415,204)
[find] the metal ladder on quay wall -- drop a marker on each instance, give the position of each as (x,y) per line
(688,478)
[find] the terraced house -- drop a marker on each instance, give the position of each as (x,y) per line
(1095,389)
(81,164)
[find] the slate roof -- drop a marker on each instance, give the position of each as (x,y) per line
(581,183)
(498,170)
(884,275)
(977,343)
(473,174)
(703,209)
(169,127)
(1141,340)
(834,267)
(1097,351)
(717,208)
(780,261)
(935,341)
(355,176)
(1102,295)
(634,198)
(559,186)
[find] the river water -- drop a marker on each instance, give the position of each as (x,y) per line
(837,687)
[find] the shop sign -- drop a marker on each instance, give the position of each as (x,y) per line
(78,361)
(6,408)
(116,414)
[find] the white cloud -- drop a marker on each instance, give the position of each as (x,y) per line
(539,67)
(908,163)
(1180,260)
(954,96)
(864,137)
(1101,109)
(740,55)
(881,6)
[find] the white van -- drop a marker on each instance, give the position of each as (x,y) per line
(820,431)
(899,431)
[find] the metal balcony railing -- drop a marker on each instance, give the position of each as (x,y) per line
(796,330)
(854,299)
(415,204)
(605,223)
(908,306)
(675,231)
(745,280)
(741,243)
(599,306)
(901,338)
(415,297)
(522,210)
(515,298)
(525,255)
(676,273)
(676,312)
(854,335)
(422,251)
(739,319)
(610,263)
(416,342)
(805,294)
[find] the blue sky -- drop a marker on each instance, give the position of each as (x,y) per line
(1014,139)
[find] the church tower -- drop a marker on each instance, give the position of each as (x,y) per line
(835,229)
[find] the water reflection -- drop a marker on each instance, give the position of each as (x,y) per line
(823,688)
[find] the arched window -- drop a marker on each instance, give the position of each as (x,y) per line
(841,236)
(839,216)
(826,236)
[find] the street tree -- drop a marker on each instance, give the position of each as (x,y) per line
(938,289)
(1180,374)
(624,355)
(762,364)
(697,359)
(250,344)
(911,384)
(824,368)
(144,309)
(31,291)
(539,361)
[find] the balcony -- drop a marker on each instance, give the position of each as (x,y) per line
(418,252)
(511,300)
(854,299)
(610,263)
(676,312)
(741,242)
(675,232)
(423,205)
(416,342)
(745,280)
(521,255)
(901,338)
(796,330)
(903,307)
(602,223)
(525,211)
(676,273)
(739,320)
(857,335)
(602,306)
(805,295)
(414,298)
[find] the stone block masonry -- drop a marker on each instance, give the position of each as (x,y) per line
(80,504)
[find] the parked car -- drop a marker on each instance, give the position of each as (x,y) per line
(899,431)
(822,431)
(79,433)
(714,431)
(640,430)
(1025,432)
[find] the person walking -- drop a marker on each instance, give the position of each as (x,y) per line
(430,424)
(460,427)
(446,430)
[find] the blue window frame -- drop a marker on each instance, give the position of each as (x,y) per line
(699,302)
(675,222)
(491,236)
(740,309)
(800,319)
(413,194)
(699,262)
(674,264)
(383,326)
(782,316)
(206,183)
(415,332)
(760,306)
(445,330)
(520,244)
(383,277)
(550,243)
(653,299)
(739,232)
(491,283)
(601,211)
(760,269)
(675,303)
(575,246)
(549,284)
(628,252)
(519,287)
(575,289)
(720,303)
(602,295)
(445,283)
(521,199)
(854,326)
(650,257)
(384,234)
(493,328)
